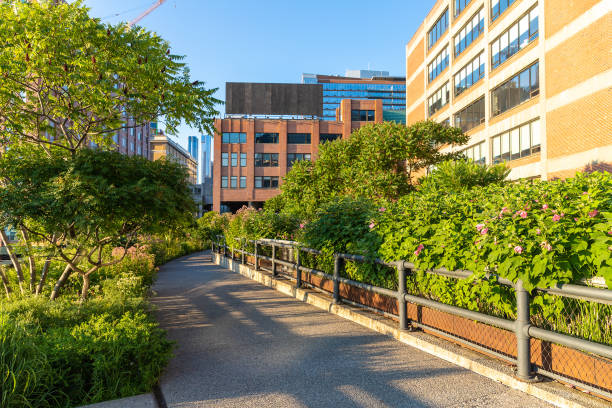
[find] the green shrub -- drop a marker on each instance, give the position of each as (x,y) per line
(461,175)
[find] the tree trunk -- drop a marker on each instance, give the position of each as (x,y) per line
(85,289)
(14,259)
(31,262)
(60,282)
(43,275)
(5,282)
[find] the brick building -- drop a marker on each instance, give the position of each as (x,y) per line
(529,80)
(253,154)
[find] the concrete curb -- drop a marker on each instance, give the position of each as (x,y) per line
(137,401)
(551,392)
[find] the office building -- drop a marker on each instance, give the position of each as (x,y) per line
(192,146)
(528,80)
(359,85)
(206,144)
(252,155)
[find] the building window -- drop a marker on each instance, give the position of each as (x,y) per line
(223,181)
(446,122)
(518,89)
(439,99)
(519,142)
(437,30)
(242,181)
(234,159)
(224,159)
(329,137)
(139,136)
(298,138)
(234,137)
(498,7)
(460,5)
(266,159)
(471,116)
(243,159)
(266,137)
(293,157)
(515,38)
(124,141)
(470,74)
(234,182)
(470,32)
(438,64)
(266,182)
(476,153)
(131,146)
(362,115)
(139,149)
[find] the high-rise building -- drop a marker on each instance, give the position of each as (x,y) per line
(528,80)
(192,146)
(359,85)
(206,143)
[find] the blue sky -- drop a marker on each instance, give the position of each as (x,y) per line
(276,41)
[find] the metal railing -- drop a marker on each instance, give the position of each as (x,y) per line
(522,327)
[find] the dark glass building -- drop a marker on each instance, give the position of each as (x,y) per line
(360,85)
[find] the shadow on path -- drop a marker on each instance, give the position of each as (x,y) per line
(242,344)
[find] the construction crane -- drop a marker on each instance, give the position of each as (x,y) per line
(146,13)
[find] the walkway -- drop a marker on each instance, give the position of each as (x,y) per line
(240,344)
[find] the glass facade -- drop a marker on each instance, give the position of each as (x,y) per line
(470,32)
(266,137)
(438,64)
(266,182)
(293,157)
(470,74)
(471,116)
(298,138)
(498,7)
(393,95)
(437,30)
(362,115)
(476,153)
(234,137)
(266,159)
(460,5)
(438,100)
(519,142)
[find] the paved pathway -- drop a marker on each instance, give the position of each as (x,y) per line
(240,344)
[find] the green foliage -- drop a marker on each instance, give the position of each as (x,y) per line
(78,205)
(67,75)
(459,175)
(53,353)
(540,232)
(377,161)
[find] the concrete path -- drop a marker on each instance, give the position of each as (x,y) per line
(240,344)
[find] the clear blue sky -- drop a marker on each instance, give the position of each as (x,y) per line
(276,41)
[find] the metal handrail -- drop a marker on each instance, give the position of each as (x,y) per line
(521,327)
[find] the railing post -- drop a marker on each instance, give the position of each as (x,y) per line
(337,266)
(256,256)
(273,259)
(523,358)
(298,271)
(401,296)
(242,251)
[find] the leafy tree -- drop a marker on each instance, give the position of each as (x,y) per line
(82,204)
(460,175)
(68,79)
(377,161)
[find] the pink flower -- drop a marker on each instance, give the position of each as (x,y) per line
(484,231)
(576,219)
(609,232)
(546,246)
(382,209)
(372,225)
(302,226)
(480,226)
(419,249)
(593,213)
(584,193)
(556,217)
(545,206)
(538,231)
(522,214)
(518,249)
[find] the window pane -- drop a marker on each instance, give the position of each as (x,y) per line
(535,135)
(515,144)
(224,159)
(535,79)
(524,85)
(226,138)
(242,137)
(274,182)
(533,24)
(524,31)
(496,149)
(242,182)
(503,48)
(224,182)
(495,54)
(234,159)
(243,159)
(513,92)
(505,147)
(525,140)
(513,33)
(234,182)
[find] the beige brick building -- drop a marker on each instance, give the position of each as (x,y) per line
(163,147)
(529,80)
